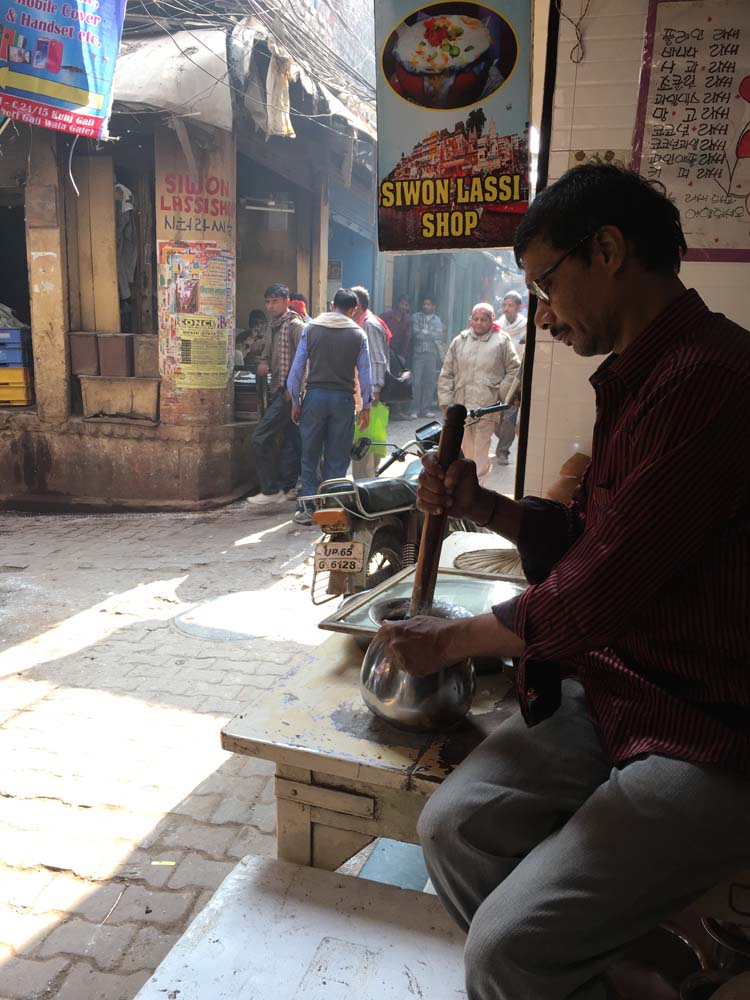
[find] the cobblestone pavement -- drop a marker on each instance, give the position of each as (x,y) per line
(119,812)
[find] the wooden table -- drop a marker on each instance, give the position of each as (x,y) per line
(343,777)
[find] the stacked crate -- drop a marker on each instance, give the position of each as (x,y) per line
(16,367)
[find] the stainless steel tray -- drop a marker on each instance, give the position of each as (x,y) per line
(475,592)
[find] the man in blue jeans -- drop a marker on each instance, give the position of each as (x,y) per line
(333,345)
(276,438)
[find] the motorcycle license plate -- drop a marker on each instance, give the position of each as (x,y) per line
(346,557)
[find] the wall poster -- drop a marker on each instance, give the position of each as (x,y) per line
(196,314)
(693,124)
(453,89)
(57,62)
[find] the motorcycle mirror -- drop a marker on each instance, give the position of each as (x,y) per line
(360,449)
(429,433)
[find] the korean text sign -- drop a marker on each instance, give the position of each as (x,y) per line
(57,62)
(453,115)
(693,127)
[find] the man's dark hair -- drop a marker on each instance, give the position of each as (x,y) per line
(363,296)
(345,299)
(298,297)
(591,196)
(256,316)
(276,292)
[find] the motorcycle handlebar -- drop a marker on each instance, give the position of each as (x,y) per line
(398,455)
(482,411)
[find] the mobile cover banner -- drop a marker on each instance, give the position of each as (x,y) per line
(453,92)
(57,62)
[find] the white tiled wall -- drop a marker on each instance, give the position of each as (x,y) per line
(595,108)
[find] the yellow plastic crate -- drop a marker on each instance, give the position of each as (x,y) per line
(16,395)
(15,376)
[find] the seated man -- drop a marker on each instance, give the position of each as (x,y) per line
(256,344)
(251,344)
(620,791)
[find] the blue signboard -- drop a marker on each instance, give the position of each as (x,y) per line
(57,62)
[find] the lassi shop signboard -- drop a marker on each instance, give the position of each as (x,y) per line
(453,114)
(196,205)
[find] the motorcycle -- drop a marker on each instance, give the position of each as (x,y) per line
(371,527)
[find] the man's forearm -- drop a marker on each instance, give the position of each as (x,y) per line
(499,513)
(483,635)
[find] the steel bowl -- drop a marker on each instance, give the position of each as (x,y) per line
(419,704)
(396,609)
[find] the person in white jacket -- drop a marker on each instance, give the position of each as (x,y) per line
(478,371)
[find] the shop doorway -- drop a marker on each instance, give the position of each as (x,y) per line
(14,272)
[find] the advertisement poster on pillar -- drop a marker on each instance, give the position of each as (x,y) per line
(57,62)
(196,314)
(453,92)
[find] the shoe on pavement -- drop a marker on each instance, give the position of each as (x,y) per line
(265,499)
(502,458)
(412,416)
(429,414)
(292,493)
(303,517)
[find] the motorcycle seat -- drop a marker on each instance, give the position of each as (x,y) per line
(377,496)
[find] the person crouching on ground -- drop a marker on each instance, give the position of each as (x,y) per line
(478,370)
(333,345)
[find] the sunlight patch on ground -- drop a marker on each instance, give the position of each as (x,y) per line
(273,613)
(259,536)
(155,601)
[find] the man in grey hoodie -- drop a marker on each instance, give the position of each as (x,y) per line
(332,345)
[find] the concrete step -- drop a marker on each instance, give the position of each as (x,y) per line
(275,930)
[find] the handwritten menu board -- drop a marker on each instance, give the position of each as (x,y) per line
(693,124)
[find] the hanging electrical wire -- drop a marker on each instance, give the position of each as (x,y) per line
(330,68)
(577,53)
(290,40)
(355,36)
(70,167)
(223,82)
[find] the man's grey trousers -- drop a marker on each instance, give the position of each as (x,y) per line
(554,861)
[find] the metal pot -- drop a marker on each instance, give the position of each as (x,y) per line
(420,704)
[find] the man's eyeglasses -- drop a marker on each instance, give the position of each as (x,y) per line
(537,288)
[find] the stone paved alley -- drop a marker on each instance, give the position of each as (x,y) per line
(119,812)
